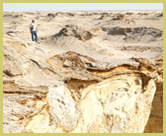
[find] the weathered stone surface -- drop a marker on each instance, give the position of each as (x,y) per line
(77,66)
(12,60)
(11,87)
(115,105)
(77,32)
(108,98)
(118,102)
(155,122)
(83,77)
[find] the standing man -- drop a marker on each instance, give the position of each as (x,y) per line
(33,30)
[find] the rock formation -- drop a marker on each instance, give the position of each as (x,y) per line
(79,80)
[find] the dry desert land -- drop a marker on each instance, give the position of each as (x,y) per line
(91,72)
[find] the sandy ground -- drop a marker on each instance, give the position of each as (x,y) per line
(118,34)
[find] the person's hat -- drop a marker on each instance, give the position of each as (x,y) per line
(33,19)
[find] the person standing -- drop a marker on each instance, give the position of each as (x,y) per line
(33,30)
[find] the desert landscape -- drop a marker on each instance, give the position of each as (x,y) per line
(91,72)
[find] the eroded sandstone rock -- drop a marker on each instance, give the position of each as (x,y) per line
(95,97)
(115,105)
(77,32)
(119,103)
(63,88)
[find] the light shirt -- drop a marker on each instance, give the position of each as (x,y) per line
(34,26)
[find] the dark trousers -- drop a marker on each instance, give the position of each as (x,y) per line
(34,33)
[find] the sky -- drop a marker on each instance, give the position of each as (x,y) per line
(11,7)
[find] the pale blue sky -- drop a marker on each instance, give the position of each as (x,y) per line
(80,6)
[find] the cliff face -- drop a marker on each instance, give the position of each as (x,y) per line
(51,91)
